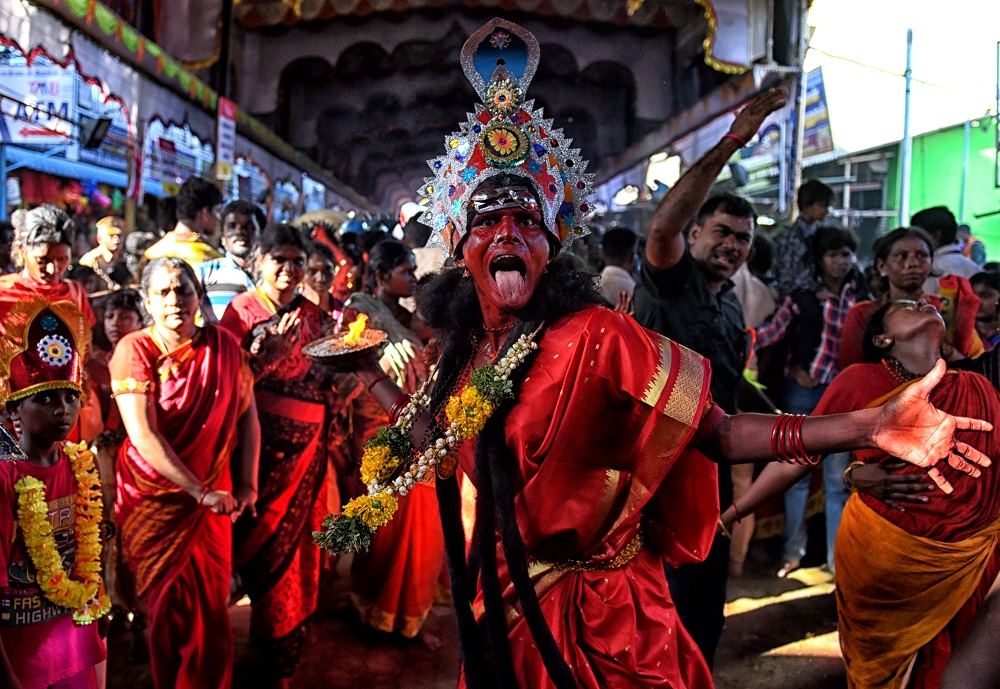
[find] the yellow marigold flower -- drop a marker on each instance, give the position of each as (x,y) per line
(469,412)
(503,141)
(373,510)
(377,463)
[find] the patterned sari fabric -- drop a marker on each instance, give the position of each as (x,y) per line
(604,476)
(278,564)
(904,605)
(178,550)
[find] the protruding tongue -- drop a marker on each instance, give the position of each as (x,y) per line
(510,284)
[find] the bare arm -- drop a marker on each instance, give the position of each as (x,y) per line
(665,245)
(772,482)
(139,416)
(976,663)
(908,427)
(248,428)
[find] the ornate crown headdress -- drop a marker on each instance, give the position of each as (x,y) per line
(507,136)
(43,346)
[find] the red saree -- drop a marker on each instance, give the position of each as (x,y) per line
(180,552)
(599,433)
(904,605)
(278,563)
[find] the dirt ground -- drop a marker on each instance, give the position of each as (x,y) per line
(780,634)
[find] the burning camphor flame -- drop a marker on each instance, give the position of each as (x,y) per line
(355,329)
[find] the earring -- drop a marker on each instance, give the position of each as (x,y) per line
(465,273)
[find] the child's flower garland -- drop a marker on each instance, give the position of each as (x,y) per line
(84,594)
(390,466)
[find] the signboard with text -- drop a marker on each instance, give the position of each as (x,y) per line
(40,104)
(225,139)
(817,137)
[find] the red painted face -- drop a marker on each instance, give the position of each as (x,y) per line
(506,252)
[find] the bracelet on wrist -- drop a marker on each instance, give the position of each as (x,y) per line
(736,509)
(847,474)
(724,530)
(735,138)
(205,490)
(371,385)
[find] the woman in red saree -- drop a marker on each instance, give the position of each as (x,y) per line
(185,397)
(278,564)
(902,612)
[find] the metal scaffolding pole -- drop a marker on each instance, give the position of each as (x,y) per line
(906,145)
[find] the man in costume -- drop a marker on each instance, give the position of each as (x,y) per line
(591,432)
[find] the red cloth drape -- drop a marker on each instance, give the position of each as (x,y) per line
(180,552)
(599,436)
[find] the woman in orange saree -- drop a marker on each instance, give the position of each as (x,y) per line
(278,564)
(186,401)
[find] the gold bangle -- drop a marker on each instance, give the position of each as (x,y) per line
(847,473)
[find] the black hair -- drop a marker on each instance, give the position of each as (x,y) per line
(415,232)
(761,260)
(813,191)
(385,257)
(321,249)
(618,244)
(371,238)
(81,273)
(883,245)
(448,303)
(277,235)
(873,328)
(174,264)
(47,225)
(987,279)
(240,207)
(196,194)
(729,203)
(831,238)
(6,232)
(939,222)
(125,300)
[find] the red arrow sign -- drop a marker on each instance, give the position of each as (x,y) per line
(39,132)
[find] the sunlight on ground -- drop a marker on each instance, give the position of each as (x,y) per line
(822,646)
(816,582)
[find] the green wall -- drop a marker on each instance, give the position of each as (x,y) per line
(936,178)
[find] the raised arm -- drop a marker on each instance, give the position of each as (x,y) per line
(665,245)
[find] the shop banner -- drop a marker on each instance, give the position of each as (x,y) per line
(818,137)
(225,139)
(40,106)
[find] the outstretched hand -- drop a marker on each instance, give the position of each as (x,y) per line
(911,428)
(752,116)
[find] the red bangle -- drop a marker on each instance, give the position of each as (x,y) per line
(397,407)
(737,511)
(732,136)
(800,448)
(776,436)
(204,493)
(378,380)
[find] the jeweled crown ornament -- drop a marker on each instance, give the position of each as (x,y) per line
(505,135)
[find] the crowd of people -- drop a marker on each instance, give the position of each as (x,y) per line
(170,447)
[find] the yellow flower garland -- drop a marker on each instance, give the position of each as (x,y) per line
(84,594)
(468,412)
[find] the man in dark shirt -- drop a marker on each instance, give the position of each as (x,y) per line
(685,293)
